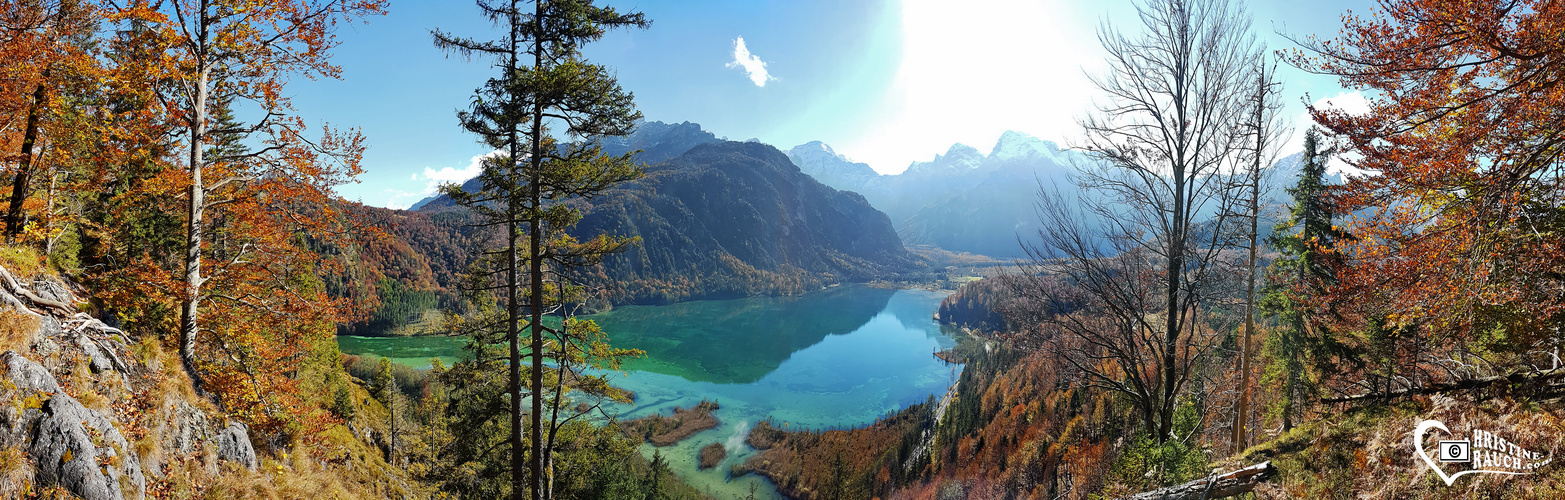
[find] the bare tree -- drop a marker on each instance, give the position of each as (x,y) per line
(1128,273)
(1248,185)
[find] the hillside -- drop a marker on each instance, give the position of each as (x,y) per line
(97,413)
(734,219)
(716,220)
(1018,426)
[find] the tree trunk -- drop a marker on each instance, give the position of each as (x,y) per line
(190,302)
(535,263)
(13,215)
(519,462)
(1241,417)
(1543,377)
(1176,262)
(1231,484)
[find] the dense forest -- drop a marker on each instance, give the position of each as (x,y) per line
(177,263)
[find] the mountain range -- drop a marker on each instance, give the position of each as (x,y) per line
(723,219)
(967,201)
(716,219)
(963,200)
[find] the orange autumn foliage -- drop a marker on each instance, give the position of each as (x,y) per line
(1460,232)
(242,280)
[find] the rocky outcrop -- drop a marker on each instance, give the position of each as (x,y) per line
(67,431)
(233,445)
(71,445)
(185,428)
(27,375)
(82,450)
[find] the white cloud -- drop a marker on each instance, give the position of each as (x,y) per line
(397,199)
(752,65)
(1352,102)
(433,178)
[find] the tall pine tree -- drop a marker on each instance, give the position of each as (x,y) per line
(545,84)
(1307,240)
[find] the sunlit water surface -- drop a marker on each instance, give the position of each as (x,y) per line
(841,357)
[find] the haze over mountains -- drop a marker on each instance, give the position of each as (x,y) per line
(963,200)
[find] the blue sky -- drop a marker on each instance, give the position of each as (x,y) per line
(886,82)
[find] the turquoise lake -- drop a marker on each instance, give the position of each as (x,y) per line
(840,357)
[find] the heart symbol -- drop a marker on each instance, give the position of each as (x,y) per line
(1418,444)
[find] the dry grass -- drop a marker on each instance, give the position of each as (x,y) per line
(22,261)
(16,473)
(16,330)
(711,455)
(344,469)
(1367,452)
(666,430)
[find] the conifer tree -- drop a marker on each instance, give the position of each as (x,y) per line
(545,84)
(1307,240)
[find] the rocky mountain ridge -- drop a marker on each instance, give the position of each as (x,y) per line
(966,201)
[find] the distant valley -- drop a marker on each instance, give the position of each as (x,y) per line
(726,219)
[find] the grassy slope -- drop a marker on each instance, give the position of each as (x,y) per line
(1368,452)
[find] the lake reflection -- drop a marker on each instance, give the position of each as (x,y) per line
(836,358)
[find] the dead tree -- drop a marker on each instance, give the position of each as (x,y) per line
(1137,251)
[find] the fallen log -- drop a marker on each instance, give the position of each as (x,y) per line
(1460,385)
(1214,486)
(16,288)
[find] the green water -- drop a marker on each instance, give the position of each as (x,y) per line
(841,357)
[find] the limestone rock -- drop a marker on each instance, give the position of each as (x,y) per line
(53,290)
(233,444)
(27,375)
(97,360)
(81,450)
(71,445)
(187,427)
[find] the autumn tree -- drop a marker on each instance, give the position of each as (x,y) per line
(1126,273)
(230,51)
(546,84)
(49,81)
(1460,234)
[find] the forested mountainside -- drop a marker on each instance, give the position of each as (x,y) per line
(722,220)
(403,269)
(734,219)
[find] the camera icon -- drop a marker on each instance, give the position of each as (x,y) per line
(1456,451)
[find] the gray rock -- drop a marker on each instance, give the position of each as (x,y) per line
(68,441)
(180,433)
(11,300)
(97,360)
(233,444)
(46,347)
(48,326)
(81,450)
(27,375)
(187,426)
(53,290)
